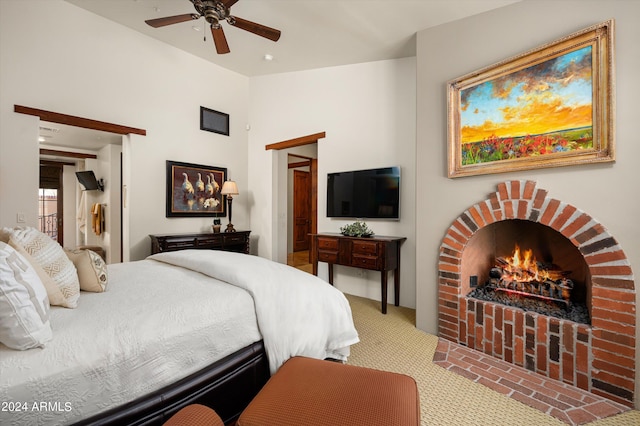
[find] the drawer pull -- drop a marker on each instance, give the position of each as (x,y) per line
(365,248)
(327,257)
(327,244)
(365,262)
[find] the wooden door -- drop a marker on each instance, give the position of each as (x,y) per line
(301,210)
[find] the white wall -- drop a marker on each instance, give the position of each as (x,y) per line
(74,62)
(368,114)
(608,192)
(108,169)
(69,185)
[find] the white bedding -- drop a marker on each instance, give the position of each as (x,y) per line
(298,313)
(154,325)
(158,323)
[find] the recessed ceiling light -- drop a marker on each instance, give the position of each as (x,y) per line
(195,28)
(268,57)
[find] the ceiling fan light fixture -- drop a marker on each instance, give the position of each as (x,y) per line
(215,11)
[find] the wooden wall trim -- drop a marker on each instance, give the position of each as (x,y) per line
(71,120)
(305,157)
(303,140)
(56,163)
(44,151)
(299,164)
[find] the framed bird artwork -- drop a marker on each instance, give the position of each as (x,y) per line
(193,190)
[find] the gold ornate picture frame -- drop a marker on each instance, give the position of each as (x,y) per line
(548,107)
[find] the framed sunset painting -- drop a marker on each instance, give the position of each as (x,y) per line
(551,106)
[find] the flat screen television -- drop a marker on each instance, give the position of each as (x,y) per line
(89,181)
(366,194)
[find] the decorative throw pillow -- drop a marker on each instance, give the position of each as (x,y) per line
(5,234)
(24,306)
(49,255)
(92,269)
(53,292)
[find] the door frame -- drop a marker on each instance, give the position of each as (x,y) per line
(278,241)
(87,123)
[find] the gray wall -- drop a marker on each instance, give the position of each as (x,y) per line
(608,192)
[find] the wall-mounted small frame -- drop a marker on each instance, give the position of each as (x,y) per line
(214,121)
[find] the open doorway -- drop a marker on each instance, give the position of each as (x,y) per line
(50,200)
(304,152)
(112,167)
(301,211)
(300,215)
(83,217)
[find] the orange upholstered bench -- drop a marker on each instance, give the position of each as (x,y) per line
(312,392)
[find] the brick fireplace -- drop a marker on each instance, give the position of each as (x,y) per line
(598,357)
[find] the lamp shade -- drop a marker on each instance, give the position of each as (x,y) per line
(229,187)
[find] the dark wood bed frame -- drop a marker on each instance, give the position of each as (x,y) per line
(227,386)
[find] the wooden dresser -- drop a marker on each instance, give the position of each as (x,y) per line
(378,253)
(227,241)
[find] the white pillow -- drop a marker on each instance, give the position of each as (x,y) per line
(24,306)
(49,255)
(92,269)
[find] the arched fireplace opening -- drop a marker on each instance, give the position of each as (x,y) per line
(529,266)
(598,357)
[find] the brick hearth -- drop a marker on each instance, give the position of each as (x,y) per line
(567,403)
(599,358)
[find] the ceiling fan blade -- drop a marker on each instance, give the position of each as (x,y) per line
(229,3)
(220,40)
(252,27)
(161,22)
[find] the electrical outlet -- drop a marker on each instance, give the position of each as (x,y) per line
(21,218)
(473,281)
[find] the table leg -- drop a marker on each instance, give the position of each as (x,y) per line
(396,280)
(396,285)
(330,266)
(383,282)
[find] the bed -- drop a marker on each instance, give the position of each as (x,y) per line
(173,329)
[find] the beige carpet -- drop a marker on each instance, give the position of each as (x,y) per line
(392,343)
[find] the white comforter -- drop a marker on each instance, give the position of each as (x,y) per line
(298,313)
(154,325)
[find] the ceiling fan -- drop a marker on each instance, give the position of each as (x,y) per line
(215,11)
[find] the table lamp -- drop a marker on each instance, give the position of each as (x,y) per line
(229,188)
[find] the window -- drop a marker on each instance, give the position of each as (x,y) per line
(48,212)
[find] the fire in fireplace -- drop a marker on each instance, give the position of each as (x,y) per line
(522,274)
(521,281)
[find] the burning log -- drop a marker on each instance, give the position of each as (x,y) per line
(525,276)
(525,283)
(496,272)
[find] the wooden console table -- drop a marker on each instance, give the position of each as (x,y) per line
(376,253)
(227,241)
